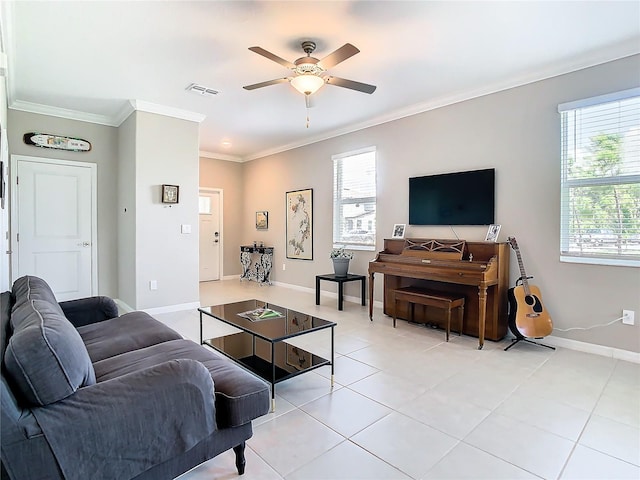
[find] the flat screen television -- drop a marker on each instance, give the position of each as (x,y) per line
(460,198)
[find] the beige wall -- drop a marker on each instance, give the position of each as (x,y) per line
(227,176)
(126,205)
(516,131)
(166,153)
(104,153)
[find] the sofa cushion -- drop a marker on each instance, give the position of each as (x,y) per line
(5,324)
(126,333)
(29,288)
(45,356)
(240,395)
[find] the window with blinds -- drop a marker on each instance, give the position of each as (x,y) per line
(600,185)
(354,199)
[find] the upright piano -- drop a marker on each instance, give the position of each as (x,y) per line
(479,271)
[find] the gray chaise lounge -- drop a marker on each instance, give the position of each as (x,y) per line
(89,394)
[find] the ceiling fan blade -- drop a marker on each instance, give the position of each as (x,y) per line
(343,82)
(271,56)
(340,55)
(265,84)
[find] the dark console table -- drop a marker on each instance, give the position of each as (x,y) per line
(256,263)
(331,277)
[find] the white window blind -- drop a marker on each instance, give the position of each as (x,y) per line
(354,199)
(600,182)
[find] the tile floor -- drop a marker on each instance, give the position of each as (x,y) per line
(407,405)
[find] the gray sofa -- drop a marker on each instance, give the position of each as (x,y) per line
(88,394)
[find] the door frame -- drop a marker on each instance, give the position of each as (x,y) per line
(15,245)
(220,192)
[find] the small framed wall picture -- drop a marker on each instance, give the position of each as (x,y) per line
(398,230)
(262,220)
(492,233)
(170,193)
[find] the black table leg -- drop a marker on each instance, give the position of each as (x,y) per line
(340,289)
(363,292)
(317,291)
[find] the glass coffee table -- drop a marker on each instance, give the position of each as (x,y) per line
(261,345)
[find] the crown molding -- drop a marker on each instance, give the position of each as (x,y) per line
(221,156)
(63,113)
(149,107)
(109,120)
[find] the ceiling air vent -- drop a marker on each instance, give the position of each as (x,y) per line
(202,90)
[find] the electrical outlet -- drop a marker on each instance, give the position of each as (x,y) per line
(628,317)
(284,266)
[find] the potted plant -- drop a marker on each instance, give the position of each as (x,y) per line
(341,259)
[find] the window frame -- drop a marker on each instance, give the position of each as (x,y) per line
(566,184)
(338,203)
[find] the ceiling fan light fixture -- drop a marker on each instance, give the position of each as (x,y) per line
(307,84)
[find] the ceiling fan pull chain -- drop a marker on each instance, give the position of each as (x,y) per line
(306,101)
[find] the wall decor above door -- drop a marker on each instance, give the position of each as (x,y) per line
(46,140)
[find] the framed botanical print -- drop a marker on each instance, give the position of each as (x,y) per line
(299,232)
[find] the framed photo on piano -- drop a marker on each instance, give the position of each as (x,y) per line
(398,230)
(492,233)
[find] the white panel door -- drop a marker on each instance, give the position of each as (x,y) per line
(55,204)
(210,236)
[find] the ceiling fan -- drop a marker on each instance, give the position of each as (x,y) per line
(309,73)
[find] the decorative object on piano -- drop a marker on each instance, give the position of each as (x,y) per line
(340,258)
(57,142)
(492,233)
(398,230)
(299,233)
(262,220)
(170,193)
(437,249)
(527,315)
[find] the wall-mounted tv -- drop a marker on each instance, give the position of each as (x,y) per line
(460,198)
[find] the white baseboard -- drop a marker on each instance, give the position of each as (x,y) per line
(172,308)
(231,277)
(124,308)
(324,293)
(612,352)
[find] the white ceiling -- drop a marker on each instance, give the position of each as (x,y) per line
(87,59)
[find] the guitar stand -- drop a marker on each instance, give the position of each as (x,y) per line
(522,339)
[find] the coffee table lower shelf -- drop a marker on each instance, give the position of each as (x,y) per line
(287,361)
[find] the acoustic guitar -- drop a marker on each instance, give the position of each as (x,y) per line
(527,315)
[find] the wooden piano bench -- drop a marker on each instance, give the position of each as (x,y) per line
(429,298)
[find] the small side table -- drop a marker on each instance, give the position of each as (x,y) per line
(331,277)
(259,268)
